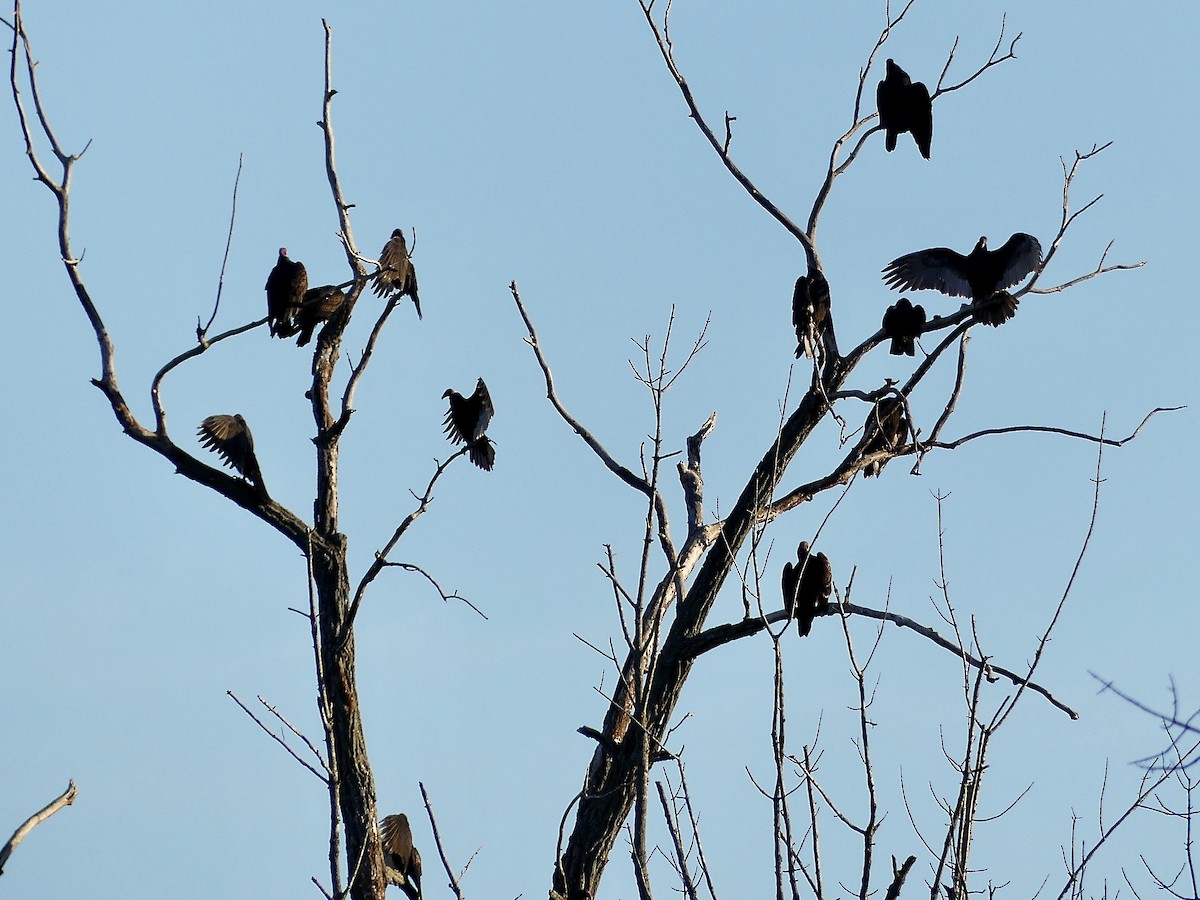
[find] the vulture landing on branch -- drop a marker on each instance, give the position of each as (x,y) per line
(285,293)
(320,305)
(230,437)
(978,275)
(903,324)
(467,421)
(810,312)
(806,587)
(396,273)
(904,106)
(889,426)
(400,856)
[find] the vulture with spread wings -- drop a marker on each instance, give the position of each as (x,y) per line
(400,856)
(904,106)
(807,586)
(230,438)
(285,294)
(467,421)
(978,275)
(396,273)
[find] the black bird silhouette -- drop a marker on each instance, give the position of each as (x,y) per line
(888,427)
(285,293)
(978,275)
(400,856)
(810,312)
(320,305)
(806,587)
(904,106)
(230,438)
(903,323)
(467,421)
(396,273)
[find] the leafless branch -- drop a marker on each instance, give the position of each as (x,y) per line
(202,331)
(280,740)
(437,839)
(66,798)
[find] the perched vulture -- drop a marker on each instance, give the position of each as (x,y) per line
(903,323)
(887,426)
(396,273)
(400,856)
(997,310)
(467,421)
(806,587)
(977,275)
(285,292)
(230,437)
(810,312)
(904,106)
(320,305)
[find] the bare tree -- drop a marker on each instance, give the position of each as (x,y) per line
(665,608)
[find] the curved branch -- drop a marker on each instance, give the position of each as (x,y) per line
(1048,429)
(66,798)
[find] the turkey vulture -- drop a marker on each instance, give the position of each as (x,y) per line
(396,273)
(285,292)
(810,311)
(904,106)
(400,856)
(806,587)
(977,275)
(903,323)
(888,427)
(320,305)
(230,437)
(467,421)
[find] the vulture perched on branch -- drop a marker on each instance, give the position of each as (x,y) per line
(810,312)
(887,426)
(904,106)
(285,293)
(806,587)
(320,305)
(230,438)
(978,275)
(467,421)
(903,324)
(400,856)
(396,274)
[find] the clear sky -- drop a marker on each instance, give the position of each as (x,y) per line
(546,143)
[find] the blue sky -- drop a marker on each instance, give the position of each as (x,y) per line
(546,143)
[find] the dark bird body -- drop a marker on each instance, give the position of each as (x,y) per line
(978,275)
(320,305)
(467,421)
(396,273)
(400,855)
(904,106)
(230,438)
(903,324)
(807,586)
(810,311)
(285,293)
(888,425)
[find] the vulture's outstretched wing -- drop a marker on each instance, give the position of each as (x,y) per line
(936,269)
(400,855)
(230,438)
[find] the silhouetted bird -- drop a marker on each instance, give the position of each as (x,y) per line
(904,106)
(903,323)
(230,437)
(810,312)
(806,587)
(285,292)
(396,273)
(400,855)
(996,310)
(467,421)
(977,275)
(888,427)
(320,305)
